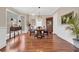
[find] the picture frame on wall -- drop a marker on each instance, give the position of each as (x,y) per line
(65,18)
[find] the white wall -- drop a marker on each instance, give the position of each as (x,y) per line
(55,16)
(60,29)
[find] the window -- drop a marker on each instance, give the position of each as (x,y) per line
(38,22)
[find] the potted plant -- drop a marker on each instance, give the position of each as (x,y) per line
(74,26)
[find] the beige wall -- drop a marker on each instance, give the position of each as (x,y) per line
(3,29)
(2,17)
(17,14)
(3,21)
(32,20)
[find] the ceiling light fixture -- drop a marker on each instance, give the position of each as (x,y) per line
(39,16)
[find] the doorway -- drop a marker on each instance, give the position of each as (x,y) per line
(49,24)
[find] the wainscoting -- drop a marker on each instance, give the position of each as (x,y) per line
(3,31)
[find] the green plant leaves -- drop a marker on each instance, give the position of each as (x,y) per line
(74,25)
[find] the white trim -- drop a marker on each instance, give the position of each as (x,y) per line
(3,27)
(11,11)
(6,17)
(2,45)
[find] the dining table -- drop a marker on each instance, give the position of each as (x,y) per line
(40,33)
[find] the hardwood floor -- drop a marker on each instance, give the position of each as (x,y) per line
(26,43)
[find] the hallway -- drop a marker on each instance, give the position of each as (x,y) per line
(26,43)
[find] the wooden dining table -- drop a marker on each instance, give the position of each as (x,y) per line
(40,33)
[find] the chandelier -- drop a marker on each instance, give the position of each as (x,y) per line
(39,16)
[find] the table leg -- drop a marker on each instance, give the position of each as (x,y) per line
(18,33)
(21,31)
(10,35)
(14,34)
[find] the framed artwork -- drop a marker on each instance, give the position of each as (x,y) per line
(65,18)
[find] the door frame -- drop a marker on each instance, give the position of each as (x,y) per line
(49,19)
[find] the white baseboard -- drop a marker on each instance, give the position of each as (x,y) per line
(73,42)
(3,44)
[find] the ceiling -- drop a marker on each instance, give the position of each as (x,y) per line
(36,10)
